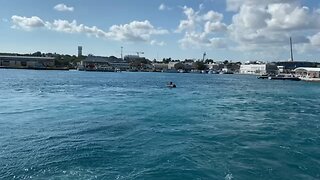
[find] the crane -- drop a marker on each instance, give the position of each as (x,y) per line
(138,53)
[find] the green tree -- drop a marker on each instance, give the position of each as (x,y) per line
(200,65)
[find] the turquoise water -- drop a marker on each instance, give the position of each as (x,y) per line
(87,125)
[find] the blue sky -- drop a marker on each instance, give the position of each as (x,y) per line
(224,29)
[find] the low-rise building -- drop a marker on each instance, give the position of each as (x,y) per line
(258,69)
(95,63)
(122,66)
(99,63)
(171,65)
(160,66)
(27,62)
(213,66)
(289,66)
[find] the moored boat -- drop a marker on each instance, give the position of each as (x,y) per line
(289,77)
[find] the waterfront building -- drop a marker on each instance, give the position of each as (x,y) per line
(95,63)
(188,66)
(213,66)
(99,63)
(308,73)
(281,69)
(130,58)
(226,70)
(160,66)
(26,62)
(258,69)
(289,66)
(171,65)
(121,66)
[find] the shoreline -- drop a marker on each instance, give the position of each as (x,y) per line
(42,69)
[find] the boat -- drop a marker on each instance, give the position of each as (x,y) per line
(289,77)
(310,79)
(265,76)
(171,85)
(309,74)
(226,72)
(213,72)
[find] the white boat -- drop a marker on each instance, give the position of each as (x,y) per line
(212,72)
(310,79)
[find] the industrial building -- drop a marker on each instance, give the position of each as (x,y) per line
(98,63)
(289,66)
(26,62)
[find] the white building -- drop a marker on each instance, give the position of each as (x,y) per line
(258,69)
(212,66)
(172,64)
(160,66)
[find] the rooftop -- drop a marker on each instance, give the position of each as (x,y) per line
(28,57)
(308,69)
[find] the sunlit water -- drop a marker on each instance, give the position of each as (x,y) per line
(87,125)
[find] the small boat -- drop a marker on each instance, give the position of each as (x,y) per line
(310,79)
(264,76)
(171,85)
(213,72)
(289,77)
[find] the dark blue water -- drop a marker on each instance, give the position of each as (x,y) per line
(81,125)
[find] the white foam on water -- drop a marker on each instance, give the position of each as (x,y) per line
(228,177)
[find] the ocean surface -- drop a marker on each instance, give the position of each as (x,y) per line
(91,125)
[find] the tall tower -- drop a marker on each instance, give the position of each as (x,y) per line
(121,53)
(79,51)
(204,56)
(291,53)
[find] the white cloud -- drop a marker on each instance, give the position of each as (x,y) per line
(63,7)
(27,23)
(290,17)
(135,31)
(155,42)
(200,29)
(190,22)
(164,7)
(218,43)
(235,5)
(269,24)
(315,40)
